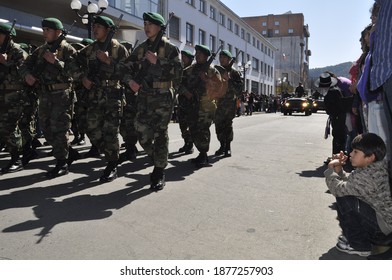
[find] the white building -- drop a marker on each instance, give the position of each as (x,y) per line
(207,22)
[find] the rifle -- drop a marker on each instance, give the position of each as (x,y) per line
(53,48)
(153,48)
(234,59)
(7,39)
(94,69)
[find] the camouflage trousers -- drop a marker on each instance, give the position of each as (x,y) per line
(224,115)
(10,114)
(183,119)
(27,124)
(127,126)
(152,120)
(200,121)
(103,121)
(80,111)
(54,111)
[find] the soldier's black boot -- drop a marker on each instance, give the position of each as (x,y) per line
(29,153)
(202,160)
(72,155)
(227,150)
(188,148)
(93,152)
(182,149)
(157,179)
(60,169)
(14,165)
(110,172)
(82,140)
(129,154)
(221,150)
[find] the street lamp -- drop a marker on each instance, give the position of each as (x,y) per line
(244,67)
(92,10)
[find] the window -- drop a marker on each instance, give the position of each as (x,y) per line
(222,19)
(174,28)
(230,47)
(202,6)
(276,31)
(276,23)
(212,43)
(189,33)
(212,13)
(202,37)
(264,23)
(230,24)
(258,44)
(254,41)
(291,31)
(222,43)
(255,64)
(261,66)
(248,37)
(242,33)
(236,29)
(264,32)
(191,2)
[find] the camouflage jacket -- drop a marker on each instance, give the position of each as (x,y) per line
(87,64)
(235,86)
(10,73)
(166,73)
(192,83)
(47,73)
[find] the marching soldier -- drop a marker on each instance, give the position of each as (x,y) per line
(158,73)
(79,119)
(48,69)
(11,59)
(183,106)
(226,105)
(199,84)
(101,76)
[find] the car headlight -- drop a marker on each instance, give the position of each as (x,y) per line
(314,104)
(305,104)
(287,104)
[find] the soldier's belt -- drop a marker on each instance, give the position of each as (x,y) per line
(110,83)
(162,85)
(54,87)
(10,87)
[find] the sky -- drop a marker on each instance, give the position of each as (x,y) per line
(335,26)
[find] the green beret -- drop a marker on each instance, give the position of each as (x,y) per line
(204,49)
(52,23)
(6,28)
(104,21)
(226,53)
(154,18)
(188,54)
(87,41)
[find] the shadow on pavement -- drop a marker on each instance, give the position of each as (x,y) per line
(318,172)
(50,213)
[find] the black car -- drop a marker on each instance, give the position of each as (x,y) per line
(318,104)
(297,104)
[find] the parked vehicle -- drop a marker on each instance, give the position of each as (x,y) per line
(318,104)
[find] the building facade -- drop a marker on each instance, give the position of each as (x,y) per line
(290,35)
(207,22)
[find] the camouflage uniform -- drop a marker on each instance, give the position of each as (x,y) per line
(104,100)
(203,107)
(55,96)
(11,95)
(127,126)
(156,99)
(226,110)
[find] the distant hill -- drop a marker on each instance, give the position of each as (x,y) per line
(340,70)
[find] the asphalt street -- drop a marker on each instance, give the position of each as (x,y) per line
(268,201)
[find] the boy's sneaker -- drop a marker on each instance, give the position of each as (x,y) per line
(345,247)
(342,239)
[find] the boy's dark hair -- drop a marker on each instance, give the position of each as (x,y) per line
(370,143)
